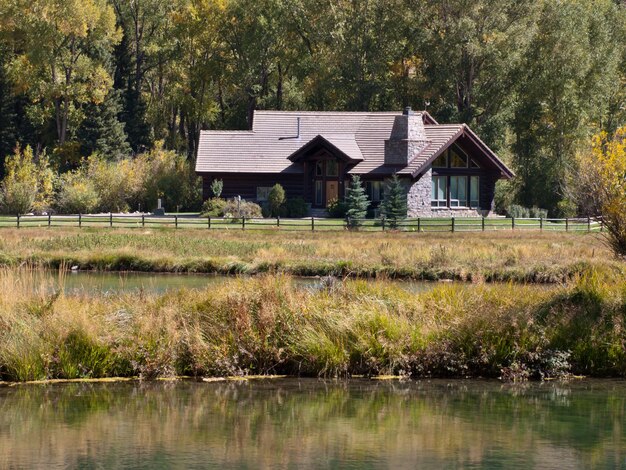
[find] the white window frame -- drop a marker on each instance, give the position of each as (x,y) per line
(435,191)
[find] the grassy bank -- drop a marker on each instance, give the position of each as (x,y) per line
(518,257)
(265,326)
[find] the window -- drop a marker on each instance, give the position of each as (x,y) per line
(262,192)
(441,161)
(332,168)
(440,191)
(457,160)
(474,191)
(473,164)
(319,168)
(319,188)
(458,191)
(374,190)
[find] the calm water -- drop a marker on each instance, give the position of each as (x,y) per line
(119,282)
(314,424)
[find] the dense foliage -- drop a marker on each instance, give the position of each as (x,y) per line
(605,184)
(534,78)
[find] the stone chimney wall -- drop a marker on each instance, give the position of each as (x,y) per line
(408,138)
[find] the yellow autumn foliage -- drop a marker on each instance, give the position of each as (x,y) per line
(607,166)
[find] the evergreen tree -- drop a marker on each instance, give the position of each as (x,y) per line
(357,203)
(394,207)
(8,131)
(102,131)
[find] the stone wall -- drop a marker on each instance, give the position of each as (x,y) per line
(419,194)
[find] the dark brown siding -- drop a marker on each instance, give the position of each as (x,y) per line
(245,184)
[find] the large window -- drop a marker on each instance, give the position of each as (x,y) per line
(440,191)
(332,169)
(374,190)
(319,194)
(459,190)
(474,191)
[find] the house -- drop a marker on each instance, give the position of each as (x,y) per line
(446,168)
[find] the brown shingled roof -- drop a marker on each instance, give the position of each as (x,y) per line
(358,135)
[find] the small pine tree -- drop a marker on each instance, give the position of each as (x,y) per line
(275,199)
(394,206)
(357,203)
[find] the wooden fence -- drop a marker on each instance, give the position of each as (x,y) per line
(452,224)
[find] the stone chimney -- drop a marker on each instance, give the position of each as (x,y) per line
(407,140)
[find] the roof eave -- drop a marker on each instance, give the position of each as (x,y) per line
(319,139)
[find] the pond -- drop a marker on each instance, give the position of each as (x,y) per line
(91,282)
(308,423)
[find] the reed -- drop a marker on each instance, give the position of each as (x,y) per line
(265,326)
(526,257)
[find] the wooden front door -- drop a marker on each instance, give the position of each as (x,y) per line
(332,191)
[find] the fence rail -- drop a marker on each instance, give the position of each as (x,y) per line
(423,224)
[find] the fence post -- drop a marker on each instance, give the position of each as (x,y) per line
(143,220)
(588,224)
(243,223)
(312,224)
(80,221)
(208,222)
(601,224)
(483,223)
(512,223)
(453,224)
(278,221)
(383,223)
(566,224)
(541,224)
(18,221)
(176,221)
(419,224)
(110,219)
(49,219)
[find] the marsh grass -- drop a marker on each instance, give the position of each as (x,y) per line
(264,325)
(493,257)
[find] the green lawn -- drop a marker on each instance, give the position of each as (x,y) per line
(194,221)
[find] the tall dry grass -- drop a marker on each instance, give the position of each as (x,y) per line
(264,325)
(508,256)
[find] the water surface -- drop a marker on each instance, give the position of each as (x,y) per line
(308,423)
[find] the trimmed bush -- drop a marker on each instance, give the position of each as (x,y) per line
(337,209)
(517,211)
(295,208)
(213,207)
(275,199)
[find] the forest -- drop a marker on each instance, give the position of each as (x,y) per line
(116,79)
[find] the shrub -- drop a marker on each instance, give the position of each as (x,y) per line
(518,211)
(119,184)
(337,209)
(275,199)
(76,194)
(246,209)
(607,164)
(216,187)
(356,202)
(538,213)
(171,177)
(28,184)
(295,208)
(214,207)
